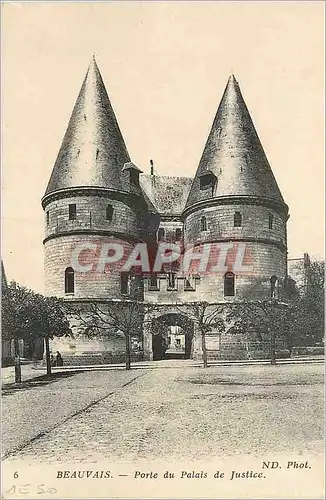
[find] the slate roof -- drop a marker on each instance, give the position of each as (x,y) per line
(93,151)
(168,194)
(234,154)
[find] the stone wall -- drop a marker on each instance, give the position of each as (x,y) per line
(91,215)
(220,224)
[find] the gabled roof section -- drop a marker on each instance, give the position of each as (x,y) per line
(167,194)
(93,151)
(234,154)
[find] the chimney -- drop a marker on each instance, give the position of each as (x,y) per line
(152,166)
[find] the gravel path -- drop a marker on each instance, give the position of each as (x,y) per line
(174,414)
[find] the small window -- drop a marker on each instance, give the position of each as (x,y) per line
(153,283)
(69,280)
(161,234)
(109,212)
(203,224)
(189,284)
(270,221)
(229,285)
(172,281)
(237,219)
(178,234)
(72,211)
(124,283)
(47,218)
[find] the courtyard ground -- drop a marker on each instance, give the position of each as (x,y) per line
(168,410)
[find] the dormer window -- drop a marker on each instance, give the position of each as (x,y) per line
(207,180)
(237,219)
(72,211)
(134,177)
(134,172)
(109,212)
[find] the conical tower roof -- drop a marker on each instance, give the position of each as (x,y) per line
(233,155)
(93,151)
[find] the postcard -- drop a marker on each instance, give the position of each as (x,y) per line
(162,250)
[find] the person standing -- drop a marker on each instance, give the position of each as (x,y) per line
(59,360)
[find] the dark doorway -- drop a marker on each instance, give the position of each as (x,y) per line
(172,336)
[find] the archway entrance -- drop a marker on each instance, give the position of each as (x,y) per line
(172,337)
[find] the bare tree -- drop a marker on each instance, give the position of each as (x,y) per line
(205,316)
(116,316)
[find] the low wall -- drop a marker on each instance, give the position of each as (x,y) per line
(307,351)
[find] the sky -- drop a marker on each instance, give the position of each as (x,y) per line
(165,66)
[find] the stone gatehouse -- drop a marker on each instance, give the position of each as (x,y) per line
(97,199)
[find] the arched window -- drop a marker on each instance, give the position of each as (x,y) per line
(69,280)
(203,224)
(270,221)
(229,284)
(237,219)
(274,286)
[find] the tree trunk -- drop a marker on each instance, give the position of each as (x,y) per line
(273,354)
(128,360)
(18,370)
(204,350)
(47,355)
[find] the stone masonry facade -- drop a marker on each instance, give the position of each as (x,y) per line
(97,197)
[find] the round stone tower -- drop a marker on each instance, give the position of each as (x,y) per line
(93,201)
(235,200)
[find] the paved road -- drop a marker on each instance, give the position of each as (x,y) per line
(180,413)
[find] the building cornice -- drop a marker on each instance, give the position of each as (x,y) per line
(92,191)
(94,232)
(265,241)
(280,208)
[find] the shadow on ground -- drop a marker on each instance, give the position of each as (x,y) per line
(36,382)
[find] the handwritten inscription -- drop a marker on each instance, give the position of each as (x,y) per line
(27,489)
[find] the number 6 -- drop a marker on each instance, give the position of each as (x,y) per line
(16,474)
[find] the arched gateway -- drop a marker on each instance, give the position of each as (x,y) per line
(169,333)
(172,336)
